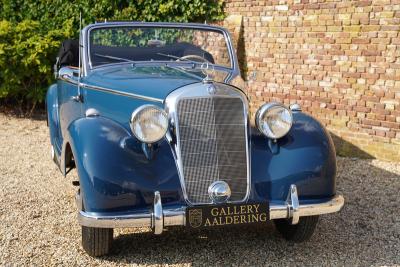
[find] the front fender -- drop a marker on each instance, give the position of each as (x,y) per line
(114,173)
(116,176)
(304,157)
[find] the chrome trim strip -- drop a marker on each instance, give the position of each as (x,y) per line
(161,25)
(67,74)
(177,217)
(293,204)
(157,215)
(281,211)
(78,200)
(74,82)
(200,90)
(170,218)
(174,217)
(112,91)
(116,92)
(125,221)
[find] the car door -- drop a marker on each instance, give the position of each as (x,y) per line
(69,102)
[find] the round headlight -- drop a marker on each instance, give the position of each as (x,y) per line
(274,120)
(149,123)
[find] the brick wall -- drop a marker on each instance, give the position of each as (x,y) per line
(214,43)
(340,60)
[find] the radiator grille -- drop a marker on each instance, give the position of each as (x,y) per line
(212,143)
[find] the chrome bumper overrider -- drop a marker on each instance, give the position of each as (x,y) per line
(159,218)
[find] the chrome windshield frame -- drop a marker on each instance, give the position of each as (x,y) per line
(85,34)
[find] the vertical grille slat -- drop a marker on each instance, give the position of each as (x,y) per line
(212,142)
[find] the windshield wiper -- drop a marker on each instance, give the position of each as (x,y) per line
(161,54)
(115,58)
(174,57)
(181,59)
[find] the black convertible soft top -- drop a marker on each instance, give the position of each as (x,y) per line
(68,55)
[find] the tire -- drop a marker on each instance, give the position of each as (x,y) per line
(299,232)
(97,241)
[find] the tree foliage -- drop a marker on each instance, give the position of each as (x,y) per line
(31,32)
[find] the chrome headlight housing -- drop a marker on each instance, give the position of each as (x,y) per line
(149,123)
(274,120)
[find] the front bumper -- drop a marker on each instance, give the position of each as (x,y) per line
(159,218)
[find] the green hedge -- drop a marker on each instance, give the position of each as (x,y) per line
(26,59)
(31,32)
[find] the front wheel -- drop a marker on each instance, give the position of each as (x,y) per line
(97,241)
(298,232)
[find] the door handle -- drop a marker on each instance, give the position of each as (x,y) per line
(77,98)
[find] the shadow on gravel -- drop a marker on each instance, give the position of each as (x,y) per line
(346,149)
(365,232)
(179,246)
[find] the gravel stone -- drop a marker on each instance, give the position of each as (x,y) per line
(39,225)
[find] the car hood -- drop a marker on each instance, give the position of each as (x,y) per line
(150,81)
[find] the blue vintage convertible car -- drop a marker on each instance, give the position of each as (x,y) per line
(150,116)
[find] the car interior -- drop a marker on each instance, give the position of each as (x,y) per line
(101,54)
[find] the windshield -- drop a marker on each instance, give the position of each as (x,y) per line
(132,44)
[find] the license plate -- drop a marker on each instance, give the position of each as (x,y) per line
(226,215)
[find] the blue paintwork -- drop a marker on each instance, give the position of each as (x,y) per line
(306,158)
(52,116)
(114,172)
(117,177)
(144,81)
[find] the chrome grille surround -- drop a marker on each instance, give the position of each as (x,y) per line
(198,97)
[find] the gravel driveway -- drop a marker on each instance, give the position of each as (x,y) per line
(39,226)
